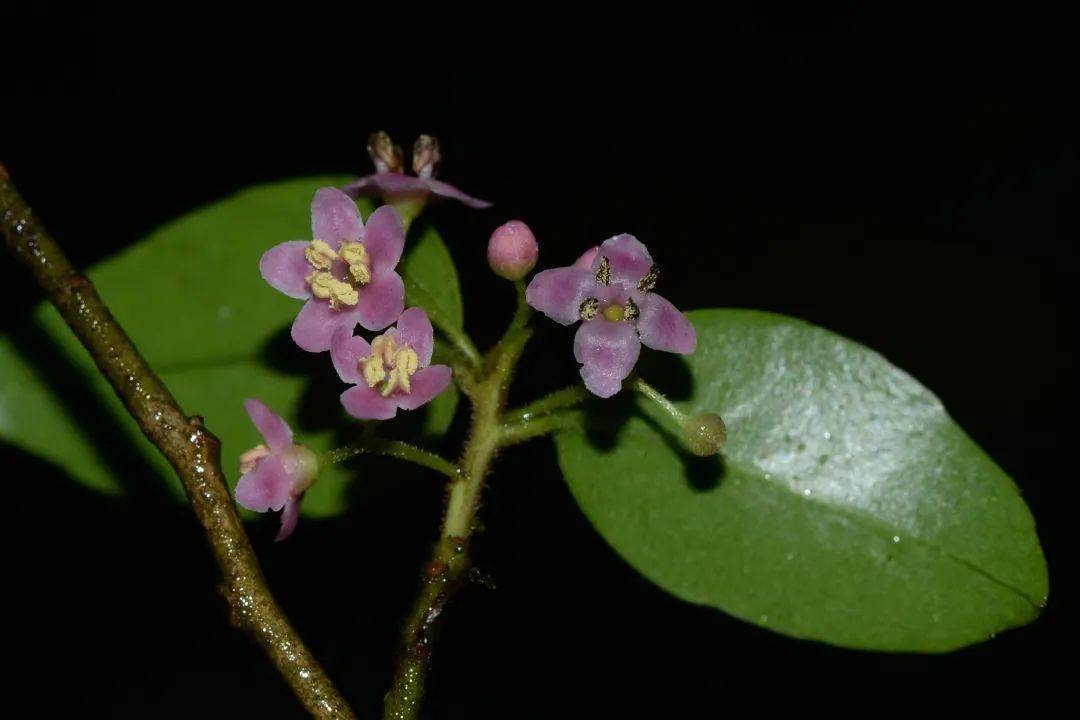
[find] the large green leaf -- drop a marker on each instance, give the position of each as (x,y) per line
(847,506)
(191,298)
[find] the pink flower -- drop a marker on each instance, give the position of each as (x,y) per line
(610,290)
(392,371)
(275,475)
(391,183)
(346,273)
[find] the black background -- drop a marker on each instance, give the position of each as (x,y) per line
(895,175)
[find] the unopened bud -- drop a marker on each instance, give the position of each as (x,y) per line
(387,156)
(512,250)
(426,156)
(705,433)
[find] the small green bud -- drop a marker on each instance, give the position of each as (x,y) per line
(705,433)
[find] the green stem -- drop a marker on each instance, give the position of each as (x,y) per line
(408,210)
(558,400)
(393,448)
(453,333)
(660,399)
(523,312)
(449,565)
(528,429)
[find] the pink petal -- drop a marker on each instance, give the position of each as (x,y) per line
(381,300)
(414,329)
(316,323)
(274,430)
(558,293)
(384,238)
(286,269)
(399,185)
(367,403)
(391,183)
(289,517)
(662,327)
(346,351)
(334,217)
(629,259)
(361,187)
(587,257)
(607,352)
(267,487)
(425,385)
(445,189)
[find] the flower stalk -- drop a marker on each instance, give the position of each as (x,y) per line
(558,400)
(396,449)
(660,400)
(449,565)
(702,434)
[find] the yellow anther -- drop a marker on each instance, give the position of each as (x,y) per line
(326,286)
(391,364)
(384,347)
(614,312)
(405,364)
(603,275)
(356,257)
(587,308)
(374,370)
(320,255)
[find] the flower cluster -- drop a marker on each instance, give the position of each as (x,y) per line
(346,274)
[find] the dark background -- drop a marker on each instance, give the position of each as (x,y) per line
(898,176)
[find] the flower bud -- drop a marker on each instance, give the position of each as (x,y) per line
(705,433)
(512,250)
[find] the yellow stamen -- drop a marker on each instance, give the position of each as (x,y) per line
(326,286)
(320,255)
(374,370)
(405,364)
(391,364)
(356,257)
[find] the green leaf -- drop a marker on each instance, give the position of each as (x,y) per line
(432,277)
(432,282)
(191,297)
(847,506)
